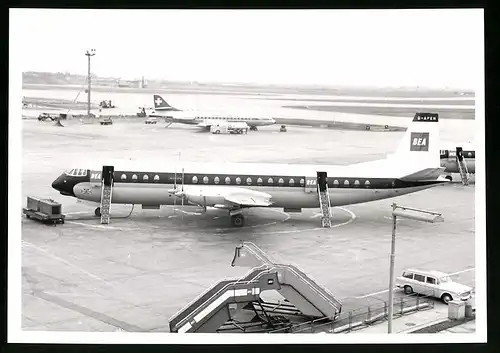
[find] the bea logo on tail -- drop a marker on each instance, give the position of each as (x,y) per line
(419,141)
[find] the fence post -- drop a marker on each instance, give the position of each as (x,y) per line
(369,313)
(350,319)
(401,305)
(385,310)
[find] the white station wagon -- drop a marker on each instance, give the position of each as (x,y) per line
(432,283)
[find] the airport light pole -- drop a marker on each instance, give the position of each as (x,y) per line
(89,53)
(411,213)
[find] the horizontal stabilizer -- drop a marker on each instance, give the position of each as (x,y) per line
(428,174)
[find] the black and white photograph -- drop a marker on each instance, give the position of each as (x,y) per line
(249,176)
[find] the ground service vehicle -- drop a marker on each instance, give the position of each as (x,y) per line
(229,128)
(151,120)
(45,210)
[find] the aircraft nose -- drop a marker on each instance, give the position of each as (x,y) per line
(62,185)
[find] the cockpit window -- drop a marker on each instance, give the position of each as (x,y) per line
(77,172)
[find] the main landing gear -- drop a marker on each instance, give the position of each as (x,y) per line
(253,128)
(237,220)
(97,212)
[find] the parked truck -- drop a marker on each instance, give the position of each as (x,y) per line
(229,128)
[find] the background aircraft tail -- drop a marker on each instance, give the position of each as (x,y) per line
(161,104)
(420,144)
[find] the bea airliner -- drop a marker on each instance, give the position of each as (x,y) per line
(234,187)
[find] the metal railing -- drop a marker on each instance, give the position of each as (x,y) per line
(361,317)
(319,290)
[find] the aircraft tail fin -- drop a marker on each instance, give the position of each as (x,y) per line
(161,104)
(420,144)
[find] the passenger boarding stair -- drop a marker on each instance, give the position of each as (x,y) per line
(324,199)
(106,194)
(324,203)
(211,310)
(462,166)
(310,298)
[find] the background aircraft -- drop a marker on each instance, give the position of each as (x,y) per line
(202,119)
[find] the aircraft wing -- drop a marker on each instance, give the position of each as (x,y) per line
(259,199)
(226,197)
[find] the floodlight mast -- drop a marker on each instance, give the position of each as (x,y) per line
(89,53)
(415,214)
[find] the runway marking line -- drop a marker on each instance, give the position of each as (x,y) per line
(352,214)
(386,290)
(57,258)
(100,226)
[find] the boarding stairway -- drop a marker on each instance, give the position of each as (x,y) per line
(324,200)
(106,193)
(310,298)
(324,204)
(462,166)
(210,310)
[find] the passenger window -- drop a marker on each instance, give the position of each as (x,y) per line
(419,278)
(335,182)
(259,181)
(238,180)
(431,280)
(346,182)
(216,180)
(228,180)
(195,180)
(270,180)
(408,275)
(291,182)
(249,181)
(302,182)
(205,180)
(281,181)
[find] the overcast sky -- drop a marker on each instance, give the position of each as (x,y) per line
(434,48)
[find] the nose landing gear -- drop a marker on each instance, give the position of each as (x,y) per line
(97,212)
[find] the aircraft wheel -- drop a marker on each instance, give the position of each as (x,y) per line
(449,177)
(237,220)
(97,212)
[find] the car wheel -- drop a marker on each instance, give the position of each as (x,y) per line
(408,289)
(446,298)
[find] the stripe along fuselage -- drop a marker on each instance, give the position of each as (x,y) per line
(294,187)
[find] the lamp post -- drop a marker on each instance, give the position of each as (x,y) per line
(89,53)
(411,213)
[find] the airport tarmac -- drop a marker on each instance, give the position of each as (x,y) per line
(134,273)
